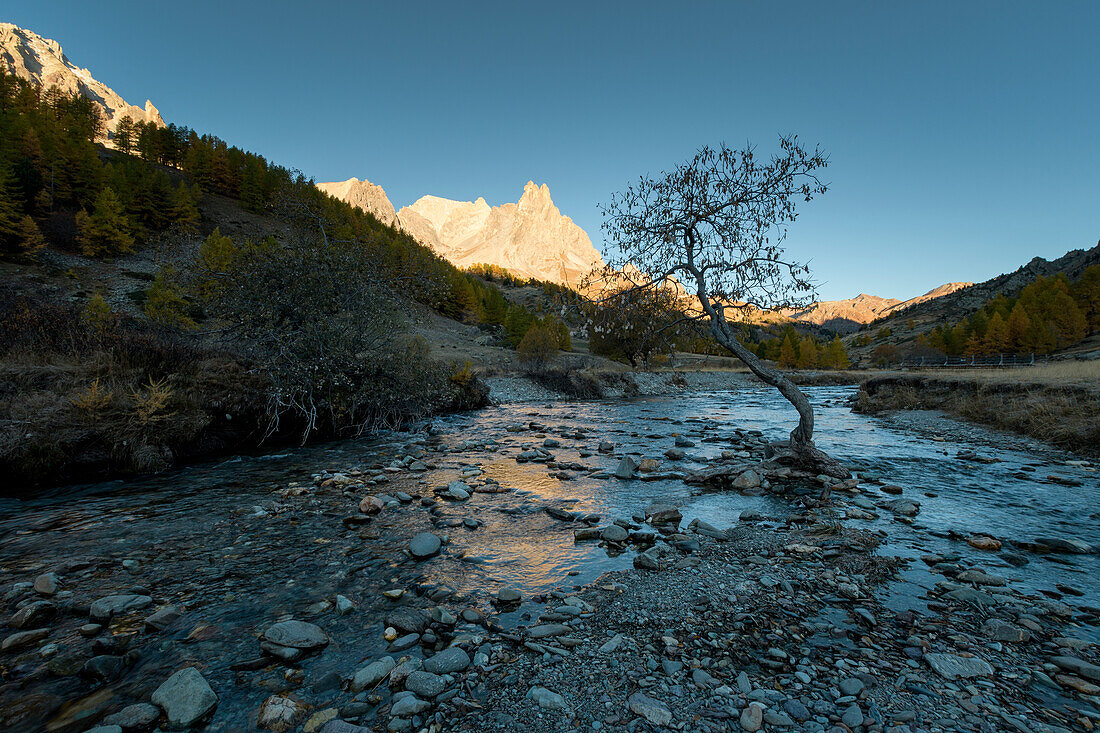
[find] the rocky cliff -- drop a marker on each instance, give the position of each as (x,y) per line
(530,238)
(41,60)
(364,194)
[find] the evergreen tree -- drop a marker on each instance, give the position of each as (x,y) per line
(31,239)
(788,355)
(184,212)
(105,231)
(996,335)
(124,135)
(11,232)
(1087,294)
(836,357)
(807,353)
(1017,327)
(165,304)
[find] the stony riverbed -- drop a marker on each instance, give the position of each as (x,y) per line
(562,566)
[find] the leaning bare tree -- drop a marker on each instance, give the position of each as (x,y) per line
(714,226)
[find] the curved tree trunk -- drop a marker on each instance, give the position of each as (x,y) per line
(802,446)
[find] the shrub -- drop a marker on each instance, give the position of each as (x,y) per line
(538,349)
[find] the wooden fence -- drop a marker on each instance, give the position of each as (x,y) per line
(974,362)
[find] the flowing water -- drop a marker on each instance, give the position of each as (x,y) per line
(231,544)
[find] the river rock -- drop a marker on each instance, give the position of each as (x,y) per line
(999,630)
(452,659)
(509,595)
(675,454)
(296,635)
(162,618)
(47,584)
(981,542)
(614,533)
(371,505)
(458,491)
(34,613)
(1079,667)
(747,480)
(408,619)
(626,468)
(279,714)
(372,674)
(108,606)
(409,706)
(1067,545)
(424,545)
(185,698)
(905,507)
(654,711)
(853,716)
(953,667)
(546,699)
(140,716)
(22,639)
(979,578)
(662,514)
(752,717)
(544,631)
(425,684)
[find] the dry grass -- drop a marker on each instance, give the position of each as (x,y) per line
(1056,403)
(1082,374)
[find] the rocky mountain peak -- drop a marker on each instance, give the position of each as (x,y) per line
(41,60)
(530,238)
(367,196)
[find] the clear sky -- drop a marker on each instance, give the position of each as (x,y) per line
(964,136)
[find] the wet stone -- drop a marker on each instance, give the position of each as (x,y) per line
(953,667)
(35,613)
(424,545)
(654,711)
(107,607)
(425,684)
(185,698)
(296,635)
(452,659)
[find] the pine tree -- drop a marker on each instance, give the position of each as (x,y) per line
(30,236)
(105,231)
(996,335)
(836,356)
(788,355)
(10,213)
(1018,325)
(165,304)
(807,353)
(124,135)
(184,212)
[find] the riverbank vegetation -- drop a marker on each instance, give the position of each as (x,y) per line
(1055,403)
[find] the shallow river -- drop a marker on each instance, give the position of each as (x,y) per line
(222,540)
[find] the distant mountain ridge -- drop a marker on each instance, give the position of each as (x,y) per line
(964,301)
(530,238)
(846,316)
(40,60)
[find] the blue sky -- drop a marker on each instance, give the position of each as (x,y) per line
(964,137)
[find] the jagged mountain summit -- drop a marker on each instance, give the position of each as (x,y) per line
(848,315)
(365,195)
(530,238)
(34,58)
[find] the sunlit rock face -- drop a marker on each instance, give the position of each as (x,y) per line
(530,238)
(41,60)
(365,195)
